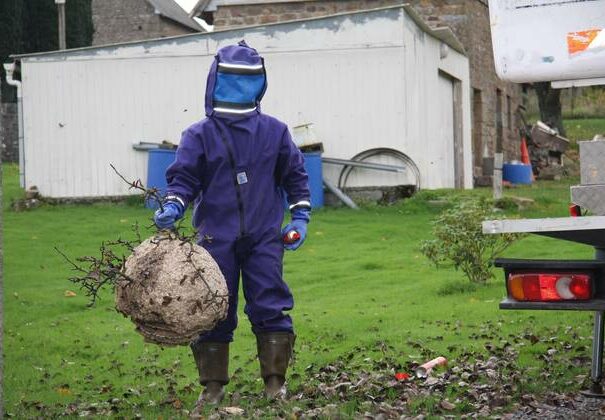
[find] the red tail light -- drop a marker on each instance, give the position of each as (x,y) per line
(550,286)
(575,210)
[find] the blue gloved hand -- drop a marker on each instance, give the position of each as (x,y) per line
(173,211)
(300,218)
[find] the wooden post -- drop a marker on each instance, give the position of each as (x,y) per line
(498,155)
(61,22)
(497,178)
(458,136)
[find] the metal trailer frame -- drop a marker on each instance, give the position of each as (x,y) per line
(588,230)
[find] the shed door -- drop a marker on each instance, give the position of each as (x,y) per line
(442,158)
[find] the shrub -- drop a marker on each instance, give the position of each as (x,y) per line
(458,239)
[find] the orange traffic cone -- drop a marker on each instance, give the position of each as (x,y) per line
(525,156)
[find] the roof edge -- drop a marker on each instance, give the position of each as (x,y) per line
(171,10)
(196,26)
(443,34)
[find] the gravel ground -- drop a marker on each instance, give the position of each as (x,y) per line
(562,407)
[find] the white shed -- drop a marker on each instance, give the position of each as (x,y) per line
(374,80)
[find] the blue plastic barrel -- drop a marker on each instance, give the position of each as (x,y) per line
(316,185)
(159,160)
(517,173)
(313,168)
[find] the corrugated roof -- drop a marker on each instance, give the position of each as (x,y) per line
(171,10)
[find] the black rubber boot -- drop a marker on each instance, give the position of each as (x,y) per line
(212,360)
(274,353)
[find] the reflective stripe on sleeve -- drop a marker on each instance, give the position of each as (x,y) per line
(303,203)
(175,198)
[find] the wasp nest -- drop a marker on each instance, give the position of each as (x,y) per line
(172,289)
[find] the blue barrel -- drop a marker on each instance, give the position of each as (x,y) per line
(313,169)
(316,184)
(517,173)
(159,160)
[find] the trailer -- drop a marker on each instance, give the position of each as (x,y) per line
(562,42)
(577,285)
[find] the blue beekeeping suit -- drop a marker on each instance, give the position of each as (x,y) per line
(233,166)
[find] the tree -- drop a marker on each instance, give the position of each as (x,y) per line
(549,101)
(79,23)
(40,31)
(29,27)
(10,39)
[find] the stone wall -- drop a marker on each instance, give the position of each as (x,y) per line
(468,19)
(258,14)
(9,131)
(130,20)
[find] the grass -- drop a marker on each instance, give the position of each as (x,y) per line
(584,129)
(360,280)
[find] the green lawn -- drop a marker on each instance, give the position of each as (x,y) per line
(365,299)
(584,128)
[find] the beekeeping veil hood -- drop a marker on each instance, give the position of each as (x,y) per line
(236,81)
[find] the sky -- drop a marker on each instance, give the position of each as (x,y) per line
(187,5)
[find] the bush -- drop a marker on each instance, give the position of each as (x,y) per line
(459,240)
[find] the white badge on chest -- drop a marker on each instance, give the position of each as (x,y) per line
(242,178)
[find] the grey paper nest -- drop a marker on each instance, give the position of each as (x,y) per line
(173,291)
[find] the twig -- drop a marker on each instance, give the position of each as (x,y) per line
(66,258)
(150,193)
(103,270)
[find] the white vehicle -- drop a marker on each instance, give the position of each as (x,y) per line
(561,41)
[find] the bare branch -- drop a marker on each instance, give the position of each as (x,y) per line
(105,269)
(149,193)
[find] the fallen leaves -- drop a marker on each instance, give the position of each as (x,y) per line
(64,390)
(233,411)
(446,405)
(370,381)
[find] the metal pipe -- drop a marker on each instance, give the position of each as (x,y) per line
(342,196)
(367,165)
(596,370)
(10,72)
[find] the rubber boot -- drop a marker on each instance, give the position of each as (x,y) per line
(212,360)
(274,352)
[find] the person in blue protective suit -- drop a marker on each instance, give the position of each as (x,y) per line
(233,166)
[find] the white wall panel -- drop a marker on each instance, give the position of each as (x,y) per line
(84,115)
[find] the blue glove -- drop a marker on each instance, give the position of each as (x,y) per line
(173,211)
(300,218)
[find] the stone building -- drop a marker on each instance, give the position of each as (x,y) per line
(494,102)
(134,20)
